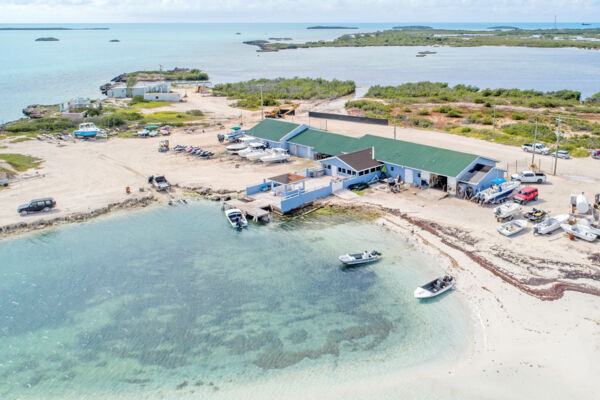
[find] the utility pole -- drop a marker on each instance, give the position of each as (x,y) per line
(262,108)
(394,127)
(557,139)
(534,142)
(494,127)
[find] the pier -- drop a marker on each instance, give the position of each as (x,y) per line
(256,210)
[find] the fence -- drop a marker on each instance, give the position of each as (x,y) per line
(294,202)
(541,163)
(349,118)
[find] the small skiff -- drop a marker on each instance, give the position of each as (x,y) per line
(435,287)
(551,224)
(579,231)
(512,227)
(359,258)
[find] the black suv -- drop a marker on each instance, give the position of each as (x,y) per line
(36,206)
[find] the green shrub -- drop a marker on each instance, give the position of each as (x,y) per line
(138,99)
(453,114)
(518,116)
(579,153)
(424,112)
(288,89)
(420,122)
(195,113)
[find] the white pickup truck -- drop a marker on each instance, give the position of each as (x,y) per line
(529,177)
(539,148)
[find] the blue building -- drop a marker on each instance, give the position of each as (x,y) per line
(455,172)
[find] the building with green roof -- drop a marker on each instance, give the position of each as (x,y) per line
(413,163)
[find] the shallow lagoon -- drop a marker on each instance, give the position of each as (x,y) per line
(171,300)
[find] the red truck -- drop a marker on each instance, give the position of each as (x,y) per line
(526,195)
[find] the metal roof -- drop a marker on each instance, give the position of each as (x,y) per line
(324,142)
(418,156)
(271,129)
(287,178)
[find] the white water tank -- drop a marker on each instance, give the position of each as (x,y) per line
(582,204)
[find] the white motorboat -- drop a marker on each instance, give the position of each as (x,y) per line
(507,211)
(580,231)
(256,155)
(252,146)
(551,224)
(498,192)
(435,287)
(87,130)
(359,258)
(512,227)
(236,218)
(234,148)
(276,155)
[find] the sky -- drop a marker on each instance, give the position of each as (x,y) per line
(31,11)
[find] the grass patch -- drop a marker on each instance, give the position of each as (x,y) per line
(20,162)
(579,153)
(150,104)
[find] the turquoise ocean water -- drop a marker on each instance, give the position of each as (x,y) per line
(164,302)
(51,72)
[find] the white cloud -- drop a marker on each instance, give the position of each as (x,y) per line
(295,11)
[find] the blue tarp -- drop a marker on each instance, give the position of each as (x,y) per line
(498,181)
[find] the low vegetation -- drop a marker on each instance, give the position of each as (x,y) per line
(20,162)
(424,36)
(248,93)
(177,74)
(501,115)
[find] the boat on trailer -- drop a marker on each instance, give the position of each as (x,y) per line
(359,258)
(499,192)
(435,287)
(236,218)
(507,211)
(87,130)
(275,155)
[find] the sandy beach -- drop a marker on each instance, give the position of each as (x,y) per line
(534,300)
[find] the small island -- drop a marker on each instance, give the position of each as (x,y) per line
(46,39)
(54,28)
(280,39)
(114,40)
(505,28)
(412,28)
(331,27)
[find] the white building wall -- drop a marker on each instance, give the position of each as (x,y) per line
(162,96)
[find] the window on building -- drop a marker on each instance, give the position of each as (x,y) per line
(361,173)
(372,169)
(353,172)
(392,169)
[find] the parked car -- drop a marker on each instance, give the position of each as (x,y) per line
(359,186)
(561,154)
(596,154)
(37,206)
(159,182)
(539,148)
(529,177)
(526,195)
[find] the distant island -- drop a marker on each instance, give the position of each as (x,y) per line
(331,27)
(279,39)
(413,28)
(514,28)
(46,39)
(114,40)
(583,38)
(53,29)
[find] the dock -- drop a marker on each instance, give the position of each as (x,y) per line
(255,210)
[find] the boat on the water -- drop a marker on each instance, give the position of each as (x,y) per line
(359,258)
(275,155)
(579,231)
(236,218)
(512,227)
(507,211)
(435,287)
(87,130)
(500,191)
(551,224)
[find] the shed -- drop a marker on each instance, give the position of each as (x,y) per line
(272,131)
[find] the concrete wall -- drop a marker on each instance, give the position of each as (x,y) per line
(291,203)
(162,96)
(257,188)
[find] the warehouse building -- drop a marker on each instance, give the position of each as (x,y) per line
(415,164)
